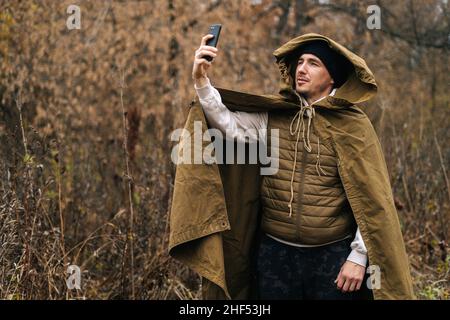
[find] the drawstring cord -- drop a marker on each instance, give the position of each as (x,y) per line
(300,127)
(299,117)
(318,167)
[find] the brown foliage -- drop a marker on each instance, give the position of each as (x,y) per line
(66,196)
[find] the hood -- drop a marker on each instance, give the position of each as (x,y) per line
(359,87)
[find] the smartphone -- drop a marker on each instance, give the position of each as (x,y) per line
(215,31)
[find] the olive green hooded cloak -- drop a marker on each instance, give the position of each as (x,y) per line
(215,213)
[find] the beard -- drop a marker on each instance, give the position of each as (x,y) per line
(308,90)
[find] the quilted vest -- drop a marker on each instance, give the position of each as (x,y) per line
(320,212)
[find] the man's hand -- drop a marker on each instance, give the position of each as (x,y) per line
(201,65)
(350,277)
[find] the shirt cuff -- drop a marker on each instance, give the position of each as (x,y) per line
(205,92)
(358,258)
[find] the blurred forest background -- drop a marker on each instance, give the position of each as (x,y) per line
(86,115)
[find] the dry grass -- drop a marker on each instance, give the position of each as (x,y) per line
(85,120)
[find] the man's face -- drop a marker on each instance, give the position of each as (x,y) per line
(312,79)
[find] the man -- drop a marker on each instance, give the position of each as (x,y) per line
(285,270)
(329,199)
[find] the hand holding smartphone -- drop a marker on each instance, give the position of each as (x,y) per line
(215,31)
(207,51)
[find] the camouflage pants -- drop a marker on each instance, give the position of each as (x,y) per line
(289,272)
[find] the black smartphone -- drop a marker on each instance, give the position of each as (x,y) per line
(214,29)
